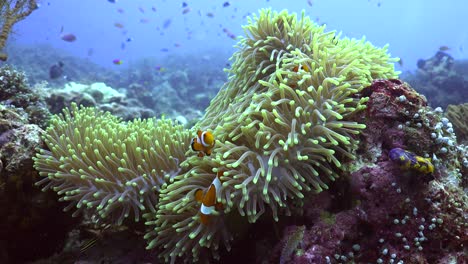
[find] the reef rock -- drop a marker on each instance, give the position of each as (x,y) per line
(380,212)
(441,79)
(99,95)
(458,115)
(26,211)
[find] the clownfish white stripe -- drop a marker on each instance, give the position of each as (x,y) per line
(217,184)
(206,210)
(202,140)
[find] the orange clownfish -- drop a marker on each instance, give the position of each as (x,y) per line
(208,199)
(303,67)
(203,143)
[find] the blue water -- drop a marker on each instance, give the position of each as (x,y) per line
(414,29)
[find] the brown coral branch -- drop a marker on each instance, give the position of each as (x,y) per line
(10,15)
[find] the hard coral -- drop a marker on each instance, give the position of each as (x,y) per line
(97,95)
(391,96)
(404,114)
(15,92)
(25,211)
(457,114)
(441,79)
(10,13)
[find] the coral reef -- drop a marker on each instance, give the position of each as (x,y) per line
(75,68)
(15,92)
(288,125)
(97,95)
(441,79)
(148,92)
(292,242)
(457,114)
(392,215)
(11,13)
(26,212)
(281,131)
(283,128)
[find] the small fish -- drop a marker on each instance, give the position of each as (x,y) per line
(122,45)
(209,14)
(335,40)
(98,234)
(184,4)
(209,206)
(87,244)
(309,2)
(112,1)
(118,25)
(69,37)
(301,67)
(186,10)
(129,39)
(164,50)
(153,9)
(229,34)
(144,20)
(159,68)
(400,62)
(409,160)
(444,48)
(167,23)
(55,71)
(90,52)
(141,9)
(120,10)
(226,4)
(177,45)
(117,61)
(379,4)
(203,143)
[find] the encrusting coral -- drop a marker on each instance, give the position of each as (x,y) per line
(283,127)
(457,115)
(98,163)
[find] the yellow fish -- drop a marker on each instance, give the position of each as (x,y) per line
(203,143)
(409,160)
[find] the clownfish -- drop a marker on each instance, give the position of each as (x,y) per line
(208,199)
(301,67)
(409,160)
(203,143)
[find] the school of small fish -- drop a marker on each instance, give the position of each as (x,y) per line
(187,10)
